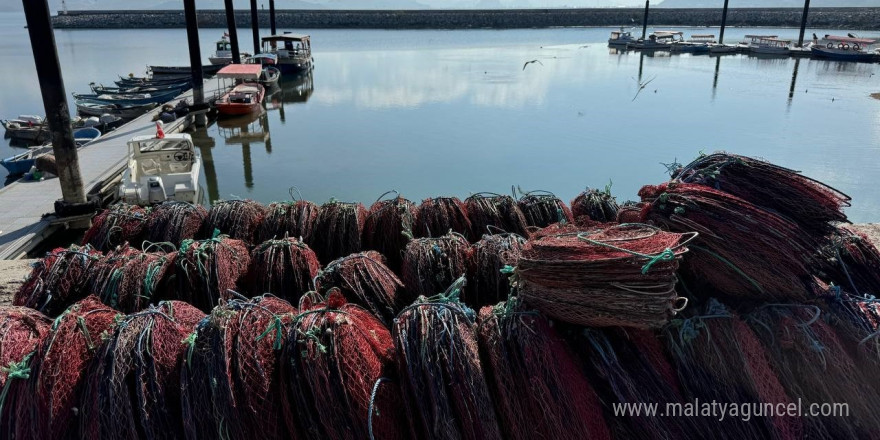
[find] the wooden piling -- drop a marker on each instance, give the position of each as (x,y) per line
(233,32)
(195,53)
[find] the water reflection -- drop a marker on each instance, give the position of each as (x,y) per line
(245,130)
(205,143)
(296,90)
(794,75)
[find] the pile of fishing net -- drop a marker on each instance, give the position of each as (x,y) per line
(364,279)
(804,201)
(543,208)
(283,267)
(446,391)
(58,280)
(813,365)
(719,359)
(230,376)
(22,332)
(133,388)
(488,275)
(492,213)
(538,386)
(339,370)
(596,205)
(208,270)
(620,275)
(173,222)
(389,227)
(121,223)
(60,369)
(289,219)
(437,216)
(338,230)
(238,219)
(629,212)
(856,318)
(430,265)
(129,280)
(854,262)
(744,251)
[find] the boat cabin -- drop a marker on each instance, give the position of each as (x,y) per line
(774,42)
(161,169)
(224,47)
(754,39)
(288,45)
(666,36)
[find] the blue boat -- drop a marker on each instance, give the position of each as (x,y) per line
(102,90)
(21,163)
(130,100)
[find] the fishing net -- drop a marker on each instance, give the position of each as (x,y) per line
(597,205)
(338,230)
(438,216)
(621,275)
(629,212)
(289,219)
(542,208)
(133,387)
(58,280)
(389,227)
(812,364)
(238,219)
(744,251)
(231,385)
(60,370)
(129,280)
(207,270)
(284,268)
(22,331)
(854,262)
(119,224)
(337,354)
(488,284)
(539,388)
(807,202)
(490,213)
(446,393)
(430,265)
(173,222)
(365,279)
(718,358)
(857,321)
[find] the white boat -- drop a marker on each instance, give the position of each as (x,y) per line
(658,40)
(621,37)
(294,52)
(770,46)
(845,48)
(698,43)
(161,168)
(223,54)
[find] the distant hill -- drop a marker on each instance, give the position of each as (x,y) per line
(765,4)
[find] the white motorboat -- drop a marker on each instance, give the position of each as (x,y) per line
(223,54)
(770,46)
(161,168)
(621,37)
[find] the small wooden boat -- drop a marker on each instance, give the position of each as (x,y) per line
(32,129)
(105,123)
(769,46)
(147,88)
(209,70)
(161,168)
(698,43)
(845,49)
(621,38)
(22,163)
(130,99)
(657,40)
(721,49)
(88,107)
(294,52)
(247,95)
(271,74)
(134,81)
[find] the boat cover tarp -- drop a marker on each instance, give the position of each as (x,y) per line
(241,71)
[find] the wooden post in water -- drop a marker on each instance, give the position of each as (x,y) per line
(233,32)
(195,52)
(272,16)
(39,26)
(804,23)
(645,21)
(723,22)
(255,24)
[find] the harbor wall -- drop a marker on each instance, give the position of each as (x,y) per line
(827,18)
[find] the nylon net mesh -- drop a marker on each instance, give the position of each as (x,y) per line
(129,280)
(338,230)
(282,267)
(289,219)
(173,222)
(364,279)
(543,209)
(238,219)
(492,213)
(439,215)
(430,265)
(389,227)
(596,205)
(120,224)
(487,284)
(22,331)
(854,262)
(207,270)
(58,280)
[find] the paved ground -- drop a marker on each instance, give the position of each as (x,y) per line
(12,275)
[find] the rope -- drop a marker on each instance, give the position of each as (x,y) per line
(372,403)
(15,370)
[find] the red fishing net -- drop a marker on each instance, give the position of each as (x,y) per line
(337,352)
(430,265)
(231,386)
(338,230)
(857,321)
(491,213)
(173,222)
(22,331)
(133,387)
(58,280)
(364,279)
(596,205)
(207,270)
(619,275)
(389,227)
(539,388)
(743,251)
(807,202)
(437,216)
(487,284)
(629,213)
(854,262)
(542,209)
(129,280)
(282,267)
(289,219)
(120,224)
(238,219)
(446,392)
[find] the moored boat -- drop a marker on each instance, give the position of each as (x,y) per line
(147,88)
(161,168)
(720,49)
(208,70)
(247,95)
(770,46)
(657,40)
(134,81)
(271,74)
(223,53)
(87,107)
(21,163)
(621,38)
(294,52)
(846,49)
(130,99)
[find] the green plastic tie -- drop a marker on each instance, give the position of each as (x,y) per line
(666,255)
(277,326)
(190,342)
(15,370)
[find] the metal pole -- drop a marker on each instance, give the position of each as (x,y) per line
(645,22)
(804,23)
(255,24)
(233,33)
(723,22)
(272,16)
(39,27)
(195,53)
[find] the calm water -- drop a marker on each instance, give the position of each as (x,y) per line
(453,112)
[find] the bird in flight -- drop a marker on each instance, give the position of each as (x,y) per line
(530,62)
(642,86)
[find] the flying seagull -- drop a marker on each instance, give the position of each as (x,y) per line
(530,62)
(642,87)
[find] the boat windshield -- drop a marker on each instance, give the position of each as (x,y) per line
(154,145)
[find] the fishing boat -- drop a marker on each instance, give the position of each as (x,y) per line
(161,168)
(721,49)
(27,128)
(845,48)
(87,107)
(621,38)
(698,43)
(23,162)
(294,52)
(129,99)
(770,46)
(105,123)
(271,74)
(146,88)
(134,81)
(223,54)
(657,40)
(209,70)
(247,95)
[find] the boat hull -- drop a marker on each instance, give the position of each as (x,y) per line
(232,109)
(293,67)
(841,55)
(17,167)
(121,100)
(210,70)
(763,50)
